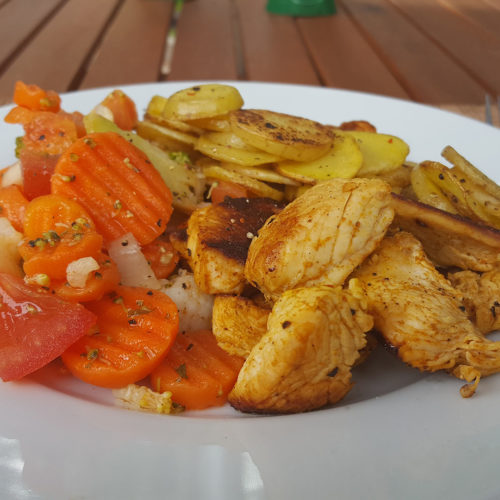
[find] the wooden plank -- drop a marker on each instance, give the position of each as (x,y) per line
(344,58)
(483,14)
(472,47)
(132,49)
(272,47)
(18,20)
(205,42)
(54,57)
(427,72)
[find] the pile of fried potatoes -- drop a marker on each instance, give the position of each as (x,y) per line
(271,154)
(278,156)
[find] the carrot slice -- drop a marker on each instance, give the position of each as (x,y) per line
(117,184)
(57,231)
(135,329)
(35,98)
(20,115)
(13,205)
(197,371)
(99,282)
(123,109)
(162,257)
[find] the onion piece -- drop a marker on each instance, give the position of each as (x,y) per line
(77,272)
(133,266)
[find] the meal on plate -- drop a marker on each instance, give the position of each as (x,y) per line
(211,253)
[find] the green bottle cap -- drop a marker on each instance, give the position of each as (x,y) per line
(301,7)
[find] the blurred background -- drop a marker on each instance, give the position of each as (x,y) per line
(440,52)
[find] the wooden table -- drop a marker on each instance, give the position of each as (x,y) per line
(441,52)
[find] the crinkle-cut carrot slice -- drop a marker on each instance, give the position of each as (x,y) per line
(13,205)
(57,231)
(99,282)
(197,371)
(117,184)
(135,329)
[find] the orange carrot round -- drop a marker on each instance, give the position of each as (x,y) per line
(57,231)
(117,184)
(13,205)
(35,98)
(197,371)
(135,329)
(99,282)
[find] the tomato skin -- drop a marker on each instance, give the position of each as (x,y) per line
(123,109)
(37,169)
(35,327)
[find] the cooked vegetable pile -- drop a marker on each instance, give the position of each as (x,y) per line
(212,253)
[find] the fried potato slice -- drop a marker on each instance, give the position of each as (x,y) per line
(473,173)
(228,147)
(166,138)
(212,124)
(290,137)
(344,159)
(428,192)
(154,113)
(264,174)
(381,152)
(203,101)
(253,185)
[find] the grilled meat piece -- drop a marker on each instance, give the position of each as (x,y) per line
(320,237)
(419,313)
(238,323)
(481,297)
(304,360)
(449,240)
(218,241)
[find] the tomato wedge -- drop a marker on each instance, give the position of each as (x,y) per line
(135,329)
(35,327)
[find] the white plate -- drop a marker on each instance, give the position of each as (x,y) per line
(398,435)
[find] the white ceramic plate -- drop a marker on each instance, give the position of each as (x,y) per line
(398,435)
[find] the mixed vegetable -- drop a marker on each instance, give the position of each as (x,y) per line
(87,267)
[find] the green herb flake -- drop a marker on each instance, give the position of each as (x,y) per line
(74,157)
(92,354)
(181,371)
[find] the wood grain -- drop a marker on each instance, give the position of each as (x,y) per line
(273,50)
(344,58)
(132,49)
(18,21)
(426,70)
(56,53)
(205,42)
(473,48)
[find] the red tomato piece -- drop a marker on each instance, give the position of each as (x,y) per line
(37,169)
(35,327)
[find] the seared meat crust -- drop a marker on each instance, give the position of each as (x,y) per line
(449,240)
(238,323)
(320,237)
(218,241)
(304,360)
